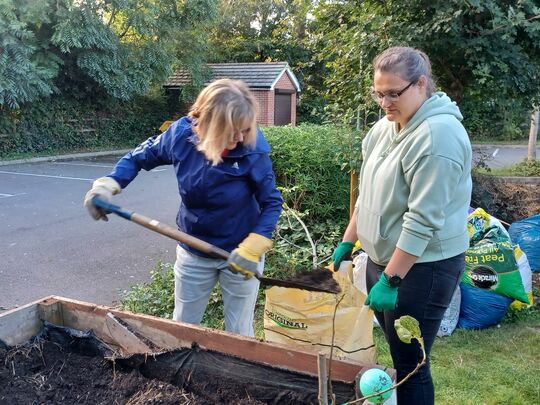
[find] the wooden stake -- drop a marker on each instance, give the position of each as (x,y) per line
(533,133)
(353,190)
(323,379)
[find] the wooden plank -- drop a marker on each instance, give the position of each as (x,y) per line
(169,334)
(323,378)
(128,342)
(20,324)
(51,311)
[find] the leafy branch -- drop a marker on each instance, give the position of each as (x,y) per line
(310,239)
(407,328)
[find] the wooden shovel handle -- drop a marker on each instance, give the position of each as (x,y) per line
(163,229)
(195,243)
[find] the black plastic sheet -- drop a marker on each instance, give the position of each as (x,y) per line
(197,370)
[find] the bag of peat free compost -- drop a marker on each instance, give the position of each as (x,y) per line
(490,264)
(480,224)
(305,319)
(526,278)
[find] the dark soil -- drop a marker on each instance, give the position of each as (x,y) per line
(67,366)
(319,278)
(506,201)
(45,373)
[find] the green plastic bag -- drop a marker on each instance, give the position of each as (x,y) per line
(491,265)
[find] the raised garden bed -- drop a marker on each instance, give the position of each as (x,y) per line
(58,350)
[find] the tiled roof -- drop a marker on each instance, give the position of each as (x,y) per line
(255,75)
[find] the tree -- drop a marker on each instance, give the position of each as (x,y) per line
(483,50)
(253,30)
(89,48)
(348,36)
(27,70)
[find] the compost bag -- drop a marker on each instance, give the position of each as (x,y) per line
(481,308)
(526,233)
(490,265)
(306,319)
(480,223)
(526,278)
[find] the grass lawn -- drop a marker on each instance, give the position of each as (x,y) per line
(499,365)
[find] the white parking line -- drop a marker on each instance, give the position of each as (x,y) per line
(82,164)
(4,195)
(46,175)
(98,165)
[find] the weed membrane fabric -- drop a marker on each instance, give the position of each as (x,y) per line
(63,365)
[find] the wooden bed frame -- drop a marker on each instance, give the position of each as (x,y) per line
(20,324)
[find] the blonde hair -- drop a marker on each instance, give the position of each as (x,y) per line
(221,110)
(408,63)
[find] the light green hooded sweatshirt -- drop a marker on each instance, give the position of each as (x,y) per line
(415,185)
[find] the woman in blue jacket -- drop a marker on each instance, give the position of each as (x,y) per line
(228,197)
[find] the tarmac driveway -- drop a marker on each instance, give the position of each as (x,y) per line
(50,245)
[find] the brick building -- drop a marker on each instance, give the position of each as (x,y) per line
(273,83)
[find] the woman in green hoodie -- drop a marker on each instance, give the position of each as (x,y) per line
(411,213)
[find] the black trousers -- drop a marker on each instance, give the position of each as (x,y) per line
(425,293)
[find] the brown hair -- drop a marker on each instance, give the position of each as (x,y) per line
(222,109)
(407,63)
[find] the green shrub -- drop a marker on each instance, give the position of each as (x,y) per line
(502,120)
(62,124)
(153,298)
(308,172)
(527,168)
(308,161)
(293,251)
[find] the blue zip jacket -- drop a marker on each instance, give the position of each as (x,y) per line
(219,204)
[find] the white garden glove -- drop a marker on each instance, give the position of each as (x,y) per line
(104,188)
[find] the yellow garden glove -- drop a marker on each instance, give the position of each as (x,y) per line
(104,188)
(245,258)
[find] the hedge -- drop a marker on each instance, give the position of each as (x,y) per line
(64,125)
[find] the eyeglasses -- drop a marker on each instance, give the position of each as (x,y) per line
(391,97)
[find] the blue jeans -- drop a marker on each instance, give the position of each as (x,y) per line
(424,293)
(194,280)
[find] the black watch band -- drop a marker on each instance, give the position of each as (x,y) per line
(394,280)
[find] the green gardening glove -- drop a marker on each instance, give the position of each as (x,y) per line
(342,252)
(383,296)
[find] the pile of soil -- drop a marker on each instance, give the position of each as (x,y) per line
(47,373)
(503,199)
(67,366)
